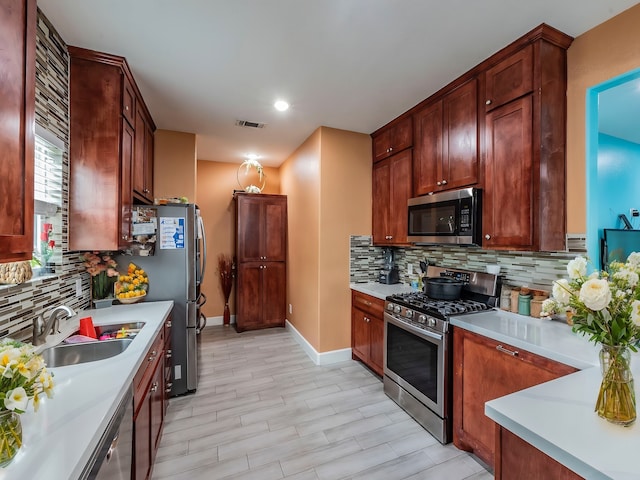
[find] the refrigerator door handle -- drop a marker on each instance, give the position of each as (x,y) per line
(204,248)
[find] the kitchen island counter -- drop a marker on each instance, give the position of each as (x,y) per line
(59,439)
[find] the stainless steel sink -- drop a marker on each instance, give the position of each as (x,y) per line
(101,329)
(73,354)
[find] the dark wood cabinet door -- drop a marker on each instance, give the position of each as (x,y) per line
(427,155)
(460,137)
(360,338)
(142,441)
(249,296)
(381,145)
(376,342)
(249,229)
(275,229)
(129,103)
(139,152)
(483,372)
(400,186)
(381,202)
(393,139)
(508,197)
(273,288)
(148,163)
(509,79)
(157,399)
(17,98)
(126,192)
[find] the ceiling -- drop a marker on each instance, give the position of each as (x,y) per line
(348,64)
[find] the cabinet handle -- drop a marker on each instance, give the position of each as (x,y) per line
(168,387)
(168,324)
(488,102)
(168,355)
(154,387)
(367,302)
(444,182)
(487,237)
(152,356)
(500,348)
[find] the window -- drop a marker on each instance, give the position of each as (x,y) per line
(47,237)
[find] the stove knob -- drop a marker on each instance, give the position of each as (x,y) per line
(390,306)
(397,309)
(408,313)
(431,322)
(422,319)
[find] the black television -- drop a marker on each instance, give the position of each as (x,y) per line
(617,244)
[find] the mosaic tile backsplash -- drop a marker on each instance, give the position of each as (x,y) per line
(517,268)
(20,304)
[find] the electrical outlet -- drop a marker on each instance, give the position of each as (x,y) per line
(634,212)
(410,269)
(290,308)
(78,288)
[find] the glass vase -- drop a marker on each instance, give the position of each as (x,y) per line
(617,398)
(102,285)
(10,436)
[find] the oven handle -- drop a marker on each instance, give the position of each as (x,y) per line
(426,334)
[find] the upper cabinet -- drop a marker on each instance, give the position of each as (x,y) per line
(111,152)
(392,139)
(446,141)
(525,142)
(17,97)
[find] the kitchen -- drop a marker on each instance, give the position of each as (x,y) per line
(587,66)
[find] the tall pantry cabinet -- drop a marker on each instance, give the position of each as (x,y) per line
(261,249)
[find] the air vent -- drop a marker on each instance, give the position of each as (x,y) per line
(248,124)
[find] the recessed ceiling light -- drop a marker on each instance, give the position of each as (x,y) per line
(281,105)
(251,156)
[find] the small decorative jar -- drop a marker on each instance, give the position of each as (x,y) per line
(505,298)
(515,292)
(524,304)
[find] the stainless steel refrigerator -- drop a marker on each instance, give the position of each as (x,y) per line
(175,272)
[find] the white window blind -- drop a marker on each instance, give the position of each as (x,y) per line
(47,177)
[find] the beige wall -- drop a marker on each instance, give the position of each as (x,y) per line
(215,183)
(175,167)
(605,51)
(328,184)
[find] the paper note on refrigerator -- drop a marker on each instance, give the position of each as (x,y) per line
(171,233)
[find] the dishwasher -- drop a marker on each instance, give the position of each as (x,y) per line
(112,458)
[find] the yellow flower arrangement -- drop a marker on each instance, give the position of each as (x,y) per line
(133,284)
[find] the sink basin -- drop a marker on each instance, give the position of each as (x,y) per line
(73,354)
(102,329)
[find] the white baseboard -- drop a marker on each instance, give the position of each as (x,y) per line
(324,358)
(219,320)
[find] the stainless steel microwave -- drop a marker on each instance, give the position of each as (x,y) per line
(452,217)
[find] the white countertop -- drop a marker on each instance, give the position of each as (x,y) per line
(381,290)
(558,418)
(59,439)
(548,338)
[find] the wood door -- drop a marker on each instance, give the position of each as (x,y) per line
(482,372)
(508,211)
(17,97)
(509,79)
(401,135)
(381,144)
(157,399)
(400,185)
(360,336)
(249,296)
(459,166)
(381,202)
(139,154)
(129,108)
(376,349)
(274,294)
(275,229)
(126,190)
(427,157)
(249,228)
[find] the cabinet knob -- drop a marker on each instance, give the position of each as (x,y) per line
(488,102)
(125,237)
(154,387)
(444,182)
(168,355)
(487,237)
(169,324)
(146,190)
(366,319)
(438,183)
(126,107)
(391,149)
(168,387)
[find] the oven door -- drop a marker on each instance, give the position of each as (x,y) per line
(415,359)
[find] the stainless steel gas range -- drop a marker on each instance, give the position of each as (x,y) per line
(418,367)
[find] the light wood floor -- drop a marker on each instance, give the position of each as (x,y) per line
(264,411)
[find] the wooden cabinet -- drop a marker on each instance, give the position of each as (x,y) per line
(391,192)
(105,149)
(524,191)
(517,459)
(446,141)
(261,249)
(149,407)
(17,97)
(143,156)
(367,330)
(484,370)
(392,139)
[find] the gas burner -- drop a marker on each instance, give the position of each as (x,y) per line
(443,308)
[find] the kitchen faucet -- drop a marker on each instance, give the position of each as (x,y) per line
(41,328)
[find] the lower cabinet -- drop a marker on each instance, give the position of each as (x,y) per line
(484,370)
(517,459)
(261,302)
(367,331)
(149,407)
